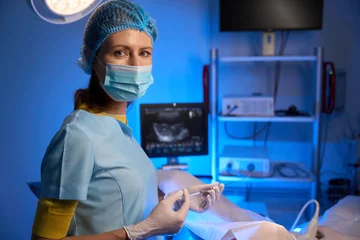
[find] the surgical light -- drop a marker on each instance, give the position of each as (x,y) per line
(67,11)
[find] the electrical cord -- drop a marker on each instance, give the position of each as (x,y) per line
(255,134)
(248,185)
(248,189)
(312,228)
(324,139)
(325,133)
(284,39)
(231,110)
(297,171)
(254,131)
(246,137)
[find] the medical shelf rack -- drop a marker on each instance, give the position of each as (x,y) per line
(314,119)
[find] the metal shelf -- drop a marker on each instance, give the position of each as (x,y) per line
(233,179)
(266,119)
(317,61)
(269,59)
(276,178)
(271,184)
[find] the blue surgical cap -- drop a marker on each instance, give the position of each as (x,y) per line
(110,17)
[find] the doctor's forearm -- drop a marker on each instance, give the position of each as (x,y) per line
(113,235)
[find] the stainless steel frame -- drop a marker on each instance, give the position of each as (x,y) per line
(214,110)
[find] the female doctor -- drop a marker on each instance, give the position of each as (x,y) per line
(96,181)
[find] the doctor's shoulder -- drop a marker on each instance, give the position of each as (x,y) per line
(70,147)
(74,130)
(80,120)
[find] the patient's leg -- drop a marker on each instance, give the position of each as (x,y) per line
(232,213)
(172,180)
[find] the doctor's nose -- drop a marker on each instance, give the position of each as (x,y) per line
(134,61)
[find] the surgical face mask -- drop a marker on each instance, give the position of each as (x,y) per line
(127,83)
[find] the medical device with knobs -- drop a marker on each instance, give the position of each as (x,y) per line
(311,230)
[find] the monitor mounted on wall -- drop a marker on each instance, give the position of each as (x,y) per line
(270,15)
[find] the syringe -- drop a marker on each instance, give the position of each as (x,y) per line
(179,202)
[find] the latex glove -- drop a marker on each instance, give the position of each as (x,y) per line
(210,193)
(162,220)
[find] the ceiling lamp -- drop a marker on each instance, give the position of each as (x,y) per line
(67,11)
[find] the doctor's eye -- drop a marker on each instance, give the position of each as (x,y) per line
(145,54)
(120,53)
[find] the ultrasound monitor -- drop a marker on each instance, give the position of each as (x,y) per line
(174,130)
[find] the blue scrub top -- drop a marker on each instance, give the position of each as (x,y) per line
(95,159)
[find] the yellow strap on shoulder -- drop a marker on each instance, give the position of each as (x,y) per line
(53,218)
(121,118)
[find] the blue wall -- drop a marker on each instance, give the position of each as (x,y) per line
(39,77)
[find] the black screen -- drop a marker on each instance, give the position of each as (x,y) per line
(174,129)
(270,15)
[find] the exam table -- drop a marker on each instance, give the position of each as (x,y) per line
(221,221)
(341,222)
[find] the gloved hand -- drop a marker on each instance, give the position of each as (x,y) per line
(162,220)
(210,193)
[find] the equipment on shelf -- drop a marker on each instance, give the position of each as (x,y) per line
(255,105)
(254,162)
(245,161)
(292,111)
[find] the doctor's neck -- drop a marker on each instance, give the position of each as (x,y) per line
(115,108)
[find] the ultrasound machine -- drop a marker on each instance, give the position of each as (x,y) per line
(174,130)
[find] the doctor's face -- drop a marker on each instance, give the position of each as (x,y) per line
(129,47)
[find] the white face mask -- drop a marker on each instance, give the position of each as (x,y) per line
(127,83)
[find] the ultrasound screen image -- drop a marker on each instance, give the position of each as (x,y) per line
(173,129)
